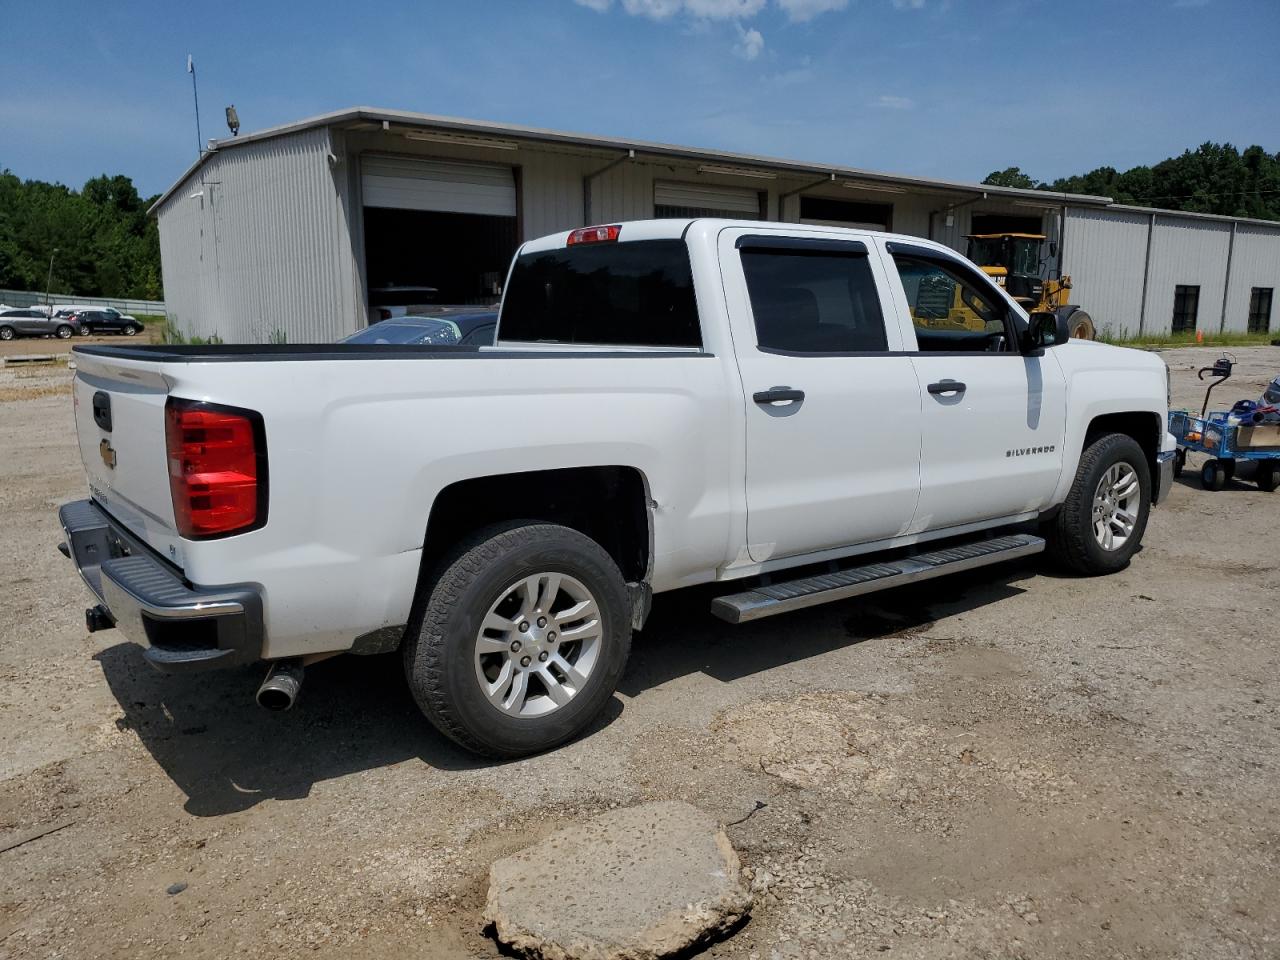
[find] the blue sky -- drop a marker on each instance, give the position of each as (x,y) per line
(947,88)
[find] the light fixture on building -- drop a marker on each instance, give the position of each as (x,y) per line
(461,139)
(737,171)
(233,120)
(873,187)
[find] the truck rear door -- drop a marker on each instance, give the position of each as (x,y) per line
(120,426)
(833,406)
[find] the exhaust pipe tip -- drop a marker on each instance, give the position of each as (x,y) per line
(283,683)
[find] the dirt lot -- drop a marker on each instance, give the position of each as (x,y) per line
(1012,764)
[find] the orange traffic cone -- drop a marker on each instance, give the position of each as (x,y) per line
(1199,336)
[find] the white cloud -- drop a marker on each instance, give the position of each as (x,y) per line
(724,9)
(699,9)
(599,6)
(890,102)
(750,43)
(653,9)
(800,10)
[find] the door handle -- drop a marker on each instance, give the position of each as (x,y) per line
(778,395)
(947,386)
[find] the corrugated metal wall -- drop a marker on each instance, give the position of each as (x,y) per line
(1105,256)
(1255,262)
(1188,252)
(256,247)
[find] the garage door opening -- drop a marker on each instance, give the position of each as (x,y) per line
(436,232)
(984,223)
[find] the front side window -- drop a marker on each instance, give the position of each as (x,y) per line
(948,312)
(1186,305)
(814,302)
(637,293)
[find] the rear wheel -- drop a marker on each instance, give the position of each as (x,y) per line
(130,330)
(523,640)
(1213,476)
(1081,325)
(1102,521)
(1268,476)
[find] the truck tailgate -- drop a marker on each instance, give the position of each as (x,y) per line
(120,426)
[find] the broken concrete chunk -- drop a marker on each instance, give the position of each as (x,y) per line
(632,884)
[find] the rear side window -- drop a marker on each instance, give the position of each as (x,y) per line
(637,293)
(814,302)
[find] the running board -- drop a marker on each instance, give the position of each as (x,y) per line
(810,591)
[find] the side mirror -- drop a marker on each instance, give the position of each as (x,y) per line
(1047,329)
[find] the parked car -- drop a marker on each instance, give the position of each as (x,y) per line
(802,430)
(108,320)
(462,328)
(34,322)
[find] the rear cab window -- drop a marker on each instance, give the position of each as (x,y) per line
(635,293)
(816,298)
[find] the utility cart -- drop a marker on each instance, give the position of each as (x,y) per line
(1224,442)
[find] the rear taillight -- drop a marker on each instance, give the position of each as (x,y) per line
(594,234)
(217,468)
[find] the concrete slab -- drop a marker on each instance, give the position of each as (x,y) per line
(632,884)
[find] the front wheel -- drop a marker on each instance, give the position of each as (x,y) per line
(1102,521)
(1213,475)
(64,332)
(523,639)
(6,333)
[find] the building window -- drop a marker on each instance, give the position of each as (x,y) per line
(1260,309)
(1186,305)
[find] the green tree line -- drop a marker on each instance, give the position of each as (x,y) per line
(100,238)
(1214,178)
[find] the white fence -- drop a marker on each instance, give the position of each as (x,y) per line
(28,298)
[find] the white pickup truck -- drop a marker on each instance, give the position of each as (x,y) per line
(800,413)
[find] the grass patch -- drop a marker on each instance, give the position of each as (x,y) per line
(1170,340)
(150,319)
(34,393)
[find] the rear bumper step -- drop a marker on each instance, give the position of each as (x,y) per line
(182,626)
(765,601)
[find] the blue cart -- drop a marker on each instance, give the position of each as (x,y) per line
(1225,443)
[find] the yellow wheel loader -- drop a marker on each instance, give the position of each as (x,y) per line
(1013,260)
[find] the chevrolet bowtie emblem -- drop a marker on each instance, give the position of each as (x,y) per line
(108,453)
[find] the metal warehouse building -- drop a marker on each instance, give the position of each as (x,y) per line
(302,232)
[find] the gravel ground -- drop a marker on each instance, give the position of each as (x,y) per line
(1005,764)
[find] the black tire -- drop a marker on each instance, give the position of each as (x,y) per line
(1229,469)
(1268,476)
(1071,541)
(439,658)
(130,330)
(1179,462)
(1081,326)
(84,331)
(1213,476)
(6,333)
(64,332)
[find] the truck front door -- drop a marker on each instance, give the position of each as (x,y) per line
(993,419)
(832,403)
